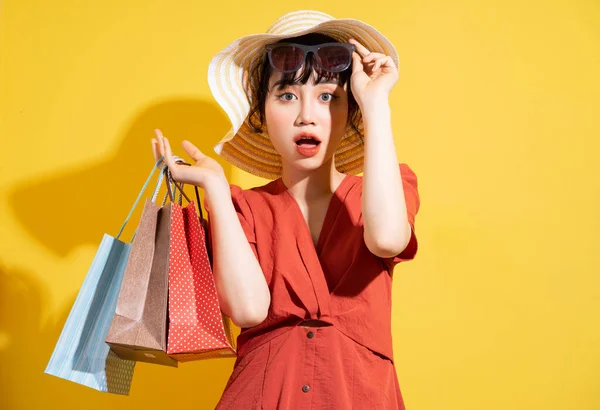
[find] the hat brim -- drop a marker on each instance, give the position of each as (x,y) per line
(227,75)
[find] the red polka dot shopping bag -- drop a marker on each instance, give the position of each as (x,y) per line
(197,327)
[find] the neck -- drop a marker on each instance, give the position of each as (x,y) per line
(313,184)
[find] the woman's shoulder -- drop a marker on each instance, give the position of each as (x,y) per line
(406,171)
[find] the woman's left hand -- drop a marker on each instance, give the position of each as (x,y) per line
(373,75)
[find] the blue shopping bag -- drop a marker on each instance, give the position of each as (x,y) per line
(81,354)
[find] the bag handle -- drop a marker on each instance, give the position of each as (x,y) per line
(159,183)
(137,200)
(203,222)
(164,170)
(179,187)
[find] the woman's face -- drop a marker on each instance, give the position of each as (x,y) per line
(317,111)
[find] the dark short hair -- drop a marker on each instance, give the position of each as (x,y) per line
(261,71)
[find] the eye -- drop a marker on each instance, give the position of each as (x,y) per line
(286,97)
(327,97)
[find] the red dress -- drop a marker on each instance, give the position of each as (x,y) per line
(345,360)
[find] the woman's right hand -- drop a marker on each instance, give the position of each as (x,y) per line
(203,171)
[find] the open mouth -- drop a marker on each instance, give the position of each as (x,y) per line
(307,141)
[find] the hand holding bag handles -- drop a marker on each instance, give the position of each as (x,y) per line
(140,326)
(197,328)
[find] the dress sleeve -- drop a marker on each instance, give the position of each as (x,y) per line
(244,214)
(411,196)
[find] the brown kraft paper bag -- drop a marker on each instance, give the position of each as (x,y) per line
(139,327)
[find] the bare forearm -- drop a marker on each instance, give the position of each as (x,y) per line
(387,231)
(243,292)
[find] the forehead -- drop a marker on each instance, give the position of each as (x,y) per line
(277,78)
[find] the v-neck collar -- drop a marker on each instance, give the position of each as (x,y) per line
(336,200)
(309,253)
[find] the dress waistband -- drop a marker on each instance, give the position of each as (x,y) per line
(314,323)
(251,338)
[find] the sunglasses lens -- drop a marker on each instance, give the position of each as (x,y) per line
(287,58)
(335,58)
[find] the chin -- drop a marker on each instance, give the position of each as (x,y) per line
(309,164)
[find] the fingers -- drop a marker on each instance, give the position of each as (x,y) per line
(165,149)
(157,146)
(357,65)
(168,153)
(360,49)
(373,56)
(193,151)
(372,63)
(368,58)
(373,60)
(385,61)
(155,149)
(178,168)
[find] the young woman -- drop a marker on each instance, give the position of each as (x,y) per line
(304,263)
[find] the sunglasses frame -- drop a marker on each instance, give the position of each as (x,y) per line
(309,49)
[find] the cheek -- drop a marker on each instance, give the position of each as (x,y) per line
(275,116)
(277,123)
(339,116)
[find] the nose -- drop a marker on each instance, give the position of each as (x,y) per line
(306,114)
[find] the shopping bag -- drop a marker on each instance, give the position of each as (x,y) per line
(197,327)
(81,354)
(139,327)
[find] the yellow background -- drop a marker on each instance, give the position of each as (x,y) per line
(496,110)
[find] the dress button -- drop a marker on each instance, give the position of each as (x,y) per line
(305,388)
(310,334)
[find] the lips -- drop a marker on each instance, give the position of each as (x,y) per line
(306,139)
(307,144)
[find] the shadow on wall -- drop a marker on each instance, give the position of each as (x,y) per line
(26,346)
(78,207)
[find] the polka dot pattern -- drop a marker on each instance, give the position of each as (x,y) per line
(197,328)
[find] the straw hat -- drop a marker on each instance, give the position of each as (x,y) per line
(228,77)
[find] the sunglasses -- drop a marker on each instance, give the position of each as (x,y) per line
(289,57)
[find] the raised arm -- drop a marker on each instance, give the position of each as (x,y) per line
(387,230)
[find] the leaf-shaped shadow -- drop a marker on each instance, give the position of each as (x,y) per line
(77,207)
